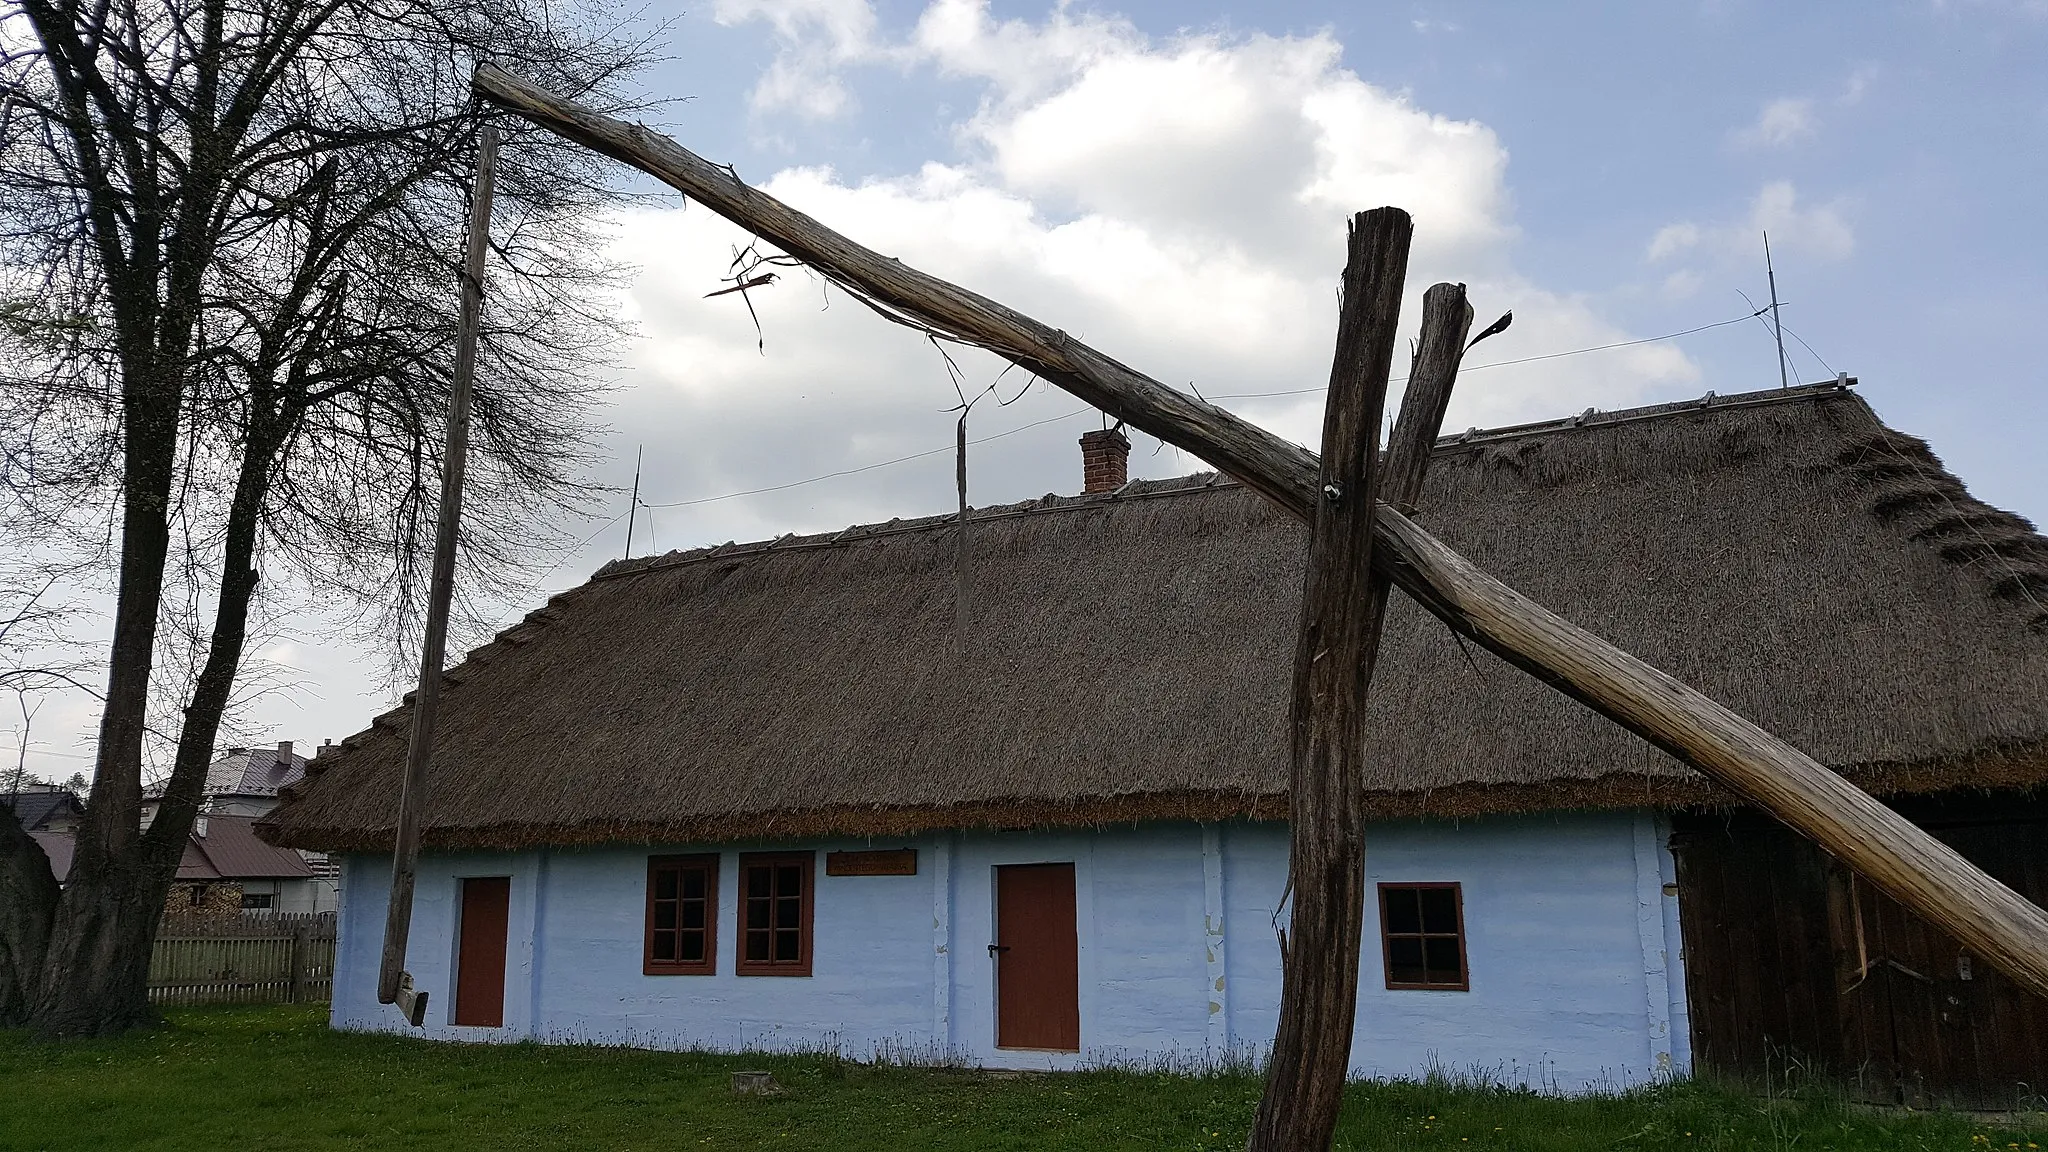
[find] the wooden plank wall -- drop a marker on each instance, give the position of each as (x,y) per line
(270,959)
(1793,964)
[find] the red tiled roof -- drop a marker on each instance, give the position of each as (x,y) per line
(228,851)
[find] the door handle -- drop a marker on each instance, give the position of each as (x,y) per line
(995,948)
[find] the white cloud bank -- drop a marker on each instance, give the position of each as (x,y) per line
(1178,203)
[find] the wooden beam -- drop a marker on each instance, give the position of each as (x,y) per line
(1928,877)
(1332,665)
(394,984)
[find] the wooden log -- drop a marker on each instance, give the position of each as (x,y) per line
(1929,878)
(1332,666)
(392,982)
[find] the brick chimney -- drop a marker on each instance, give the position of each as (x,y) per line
(1105,460)
(284,753)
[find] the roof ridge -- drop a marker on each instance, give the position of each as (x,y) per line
(1195,481)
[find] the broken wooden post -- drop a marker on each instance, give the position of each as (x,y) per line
(1332,666)
(394,984)
(1440,347)
(1914,868)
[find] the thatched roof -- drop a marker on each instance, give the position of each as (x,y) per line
(1130,653)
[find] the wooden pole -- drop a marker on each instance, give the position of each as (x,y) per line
(1319,988)
(394,984)
(1332,665)
(1928,877)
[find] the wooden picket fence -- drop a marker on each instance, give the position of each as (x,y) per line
(252,959)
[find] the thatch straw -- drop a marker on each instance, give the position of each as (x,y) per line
(1784,552)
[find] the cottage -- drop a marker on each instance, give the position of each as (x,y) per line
(771,795)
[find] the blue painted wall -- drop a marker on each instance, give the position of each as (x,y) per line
(1573,950)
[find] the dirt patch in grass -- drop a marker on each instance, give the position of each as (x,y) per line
(277,1078)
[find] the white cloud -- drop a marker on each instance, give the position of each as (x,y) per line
(1782,123)
(1820,233)
(815,40)
(1673,239)
(1857,86)
(1178,203)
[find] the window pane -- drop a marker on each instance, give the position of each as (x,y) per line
(693,884)
(757,913)
(1442,955)
(786,946)
(789,880)
(693,915)
(664,946)
(1439,909)
(759,880)
(1404,960)
(787,911)
(664,917)
(757,945)
(1403,913)
(665,884)
(693,947)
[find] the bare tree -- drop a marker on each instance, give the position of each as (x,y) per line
(228,235)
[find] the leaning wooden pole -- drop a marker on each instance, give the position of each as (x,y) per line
(1912,867)
(394,984)
(1333,661)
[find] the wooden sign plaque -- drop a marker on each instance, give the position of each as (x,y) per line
(884,862)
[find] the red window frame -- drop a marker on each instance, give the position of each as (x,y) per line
(707,864)
(1424,935)
(760,916)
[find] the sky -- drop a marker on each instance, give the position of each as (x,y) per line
(1169,182)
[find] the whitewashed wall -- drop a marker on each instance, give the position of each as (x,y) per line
(1572,936)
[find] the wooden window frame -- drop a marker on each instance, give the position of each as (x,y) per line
(708,862)
(801,966)
(1464,983)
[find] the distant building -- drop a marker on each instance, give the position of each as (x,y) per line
(44,807)
(242,782)
(225,868)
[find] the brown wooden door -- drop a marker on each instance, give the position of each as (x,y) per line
(480,952)
(1037,950)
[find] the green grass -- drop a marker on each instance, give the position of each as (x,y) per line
(276,1078)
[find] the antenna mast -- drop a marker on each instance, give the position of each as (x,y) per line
(635,505)
(1776,327)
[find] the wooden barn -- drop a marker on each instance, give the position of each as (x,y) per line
(1058,835)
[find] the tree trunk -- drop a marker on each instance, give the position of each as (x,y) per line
(28,902)
(1912,867)
(96,967)
(1332,668)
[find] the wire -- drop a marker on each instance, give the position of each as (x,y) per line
(1809,348)
(867,467)
(1523,359)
